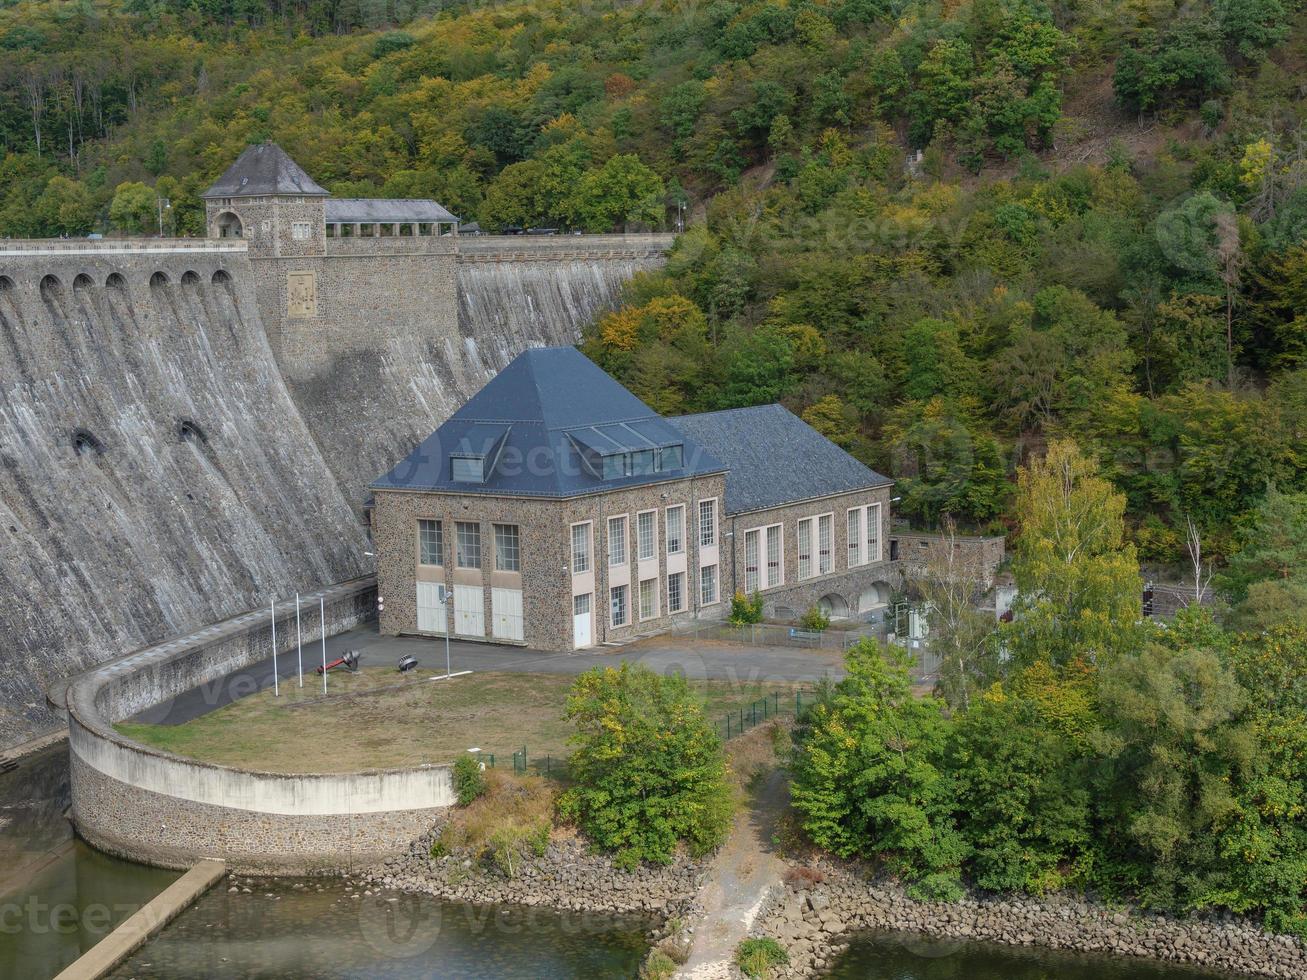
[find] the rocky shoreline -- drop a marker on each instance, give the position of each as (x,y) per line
(814,916)
(568,877)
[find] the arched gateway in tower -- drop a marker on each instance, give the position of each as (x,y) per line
(267,199)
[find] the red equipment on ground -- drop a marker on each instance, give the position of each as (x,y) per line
(349,660)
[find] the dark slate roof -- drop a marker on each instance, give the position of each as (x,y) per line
(773,457)
(264,169)
(532,420)
(353,210)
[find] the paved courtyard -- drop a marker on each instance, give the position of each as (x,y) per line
(695,659)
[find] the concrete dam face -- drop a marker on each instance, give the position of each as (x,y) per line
(174,450)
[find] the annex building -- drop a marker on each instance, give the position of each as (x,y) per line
(557,510)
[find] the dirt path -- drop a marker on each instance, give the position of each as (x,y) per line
(744,870)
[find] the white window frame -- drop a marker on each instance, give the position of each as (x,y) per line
(829,518)
(588,527)
(804,572)
(752,551)
(709,539)
(853,531)
(680,578)
(780,556)
(867,532)
(458,544)
(640,555)
(711,571)
(624,537)
(639,590)
(667,533)
(301,231)
(626,606)
(440,539)
(501,559)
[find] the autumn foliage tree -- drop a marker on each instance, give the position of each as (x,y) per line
(648,771)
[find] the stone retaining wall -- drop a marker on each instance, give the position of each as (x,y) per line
(159,808)
(568,877)
(813,923)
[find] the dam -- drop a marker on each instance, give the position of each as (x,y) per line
(175,448)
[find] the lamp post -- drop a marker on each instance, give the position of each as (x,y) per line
(445,602)
(322,620)
(276,688)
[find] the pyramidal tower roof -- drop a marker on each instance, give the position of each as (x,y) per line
(265,169)
(542,427)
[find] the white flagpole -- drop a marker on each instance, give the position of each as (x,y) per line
(299,640)
(276,690)
(322,617)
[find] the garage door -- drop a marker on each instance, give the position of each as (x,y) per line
(431,607)
(469,611)
(506,608)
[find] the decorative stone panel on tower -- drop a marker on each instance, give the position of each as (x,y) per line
(336,276)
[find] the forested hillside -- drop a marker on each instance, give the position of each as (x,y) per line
(944,233)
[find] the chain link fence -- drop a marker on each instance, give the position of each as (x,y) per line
(840,636)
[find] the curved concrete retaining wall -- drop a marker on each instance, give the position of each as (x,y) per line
(159,808)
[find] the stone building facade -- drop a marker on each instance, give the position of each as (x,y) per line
(547,581)
(859,579)
(556,511)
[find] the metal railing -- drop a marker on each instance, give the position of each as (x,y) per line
(771,706)
(837,637)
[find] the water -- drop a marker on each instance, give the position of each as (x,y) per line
(904,956)
(58,897)
(278,930)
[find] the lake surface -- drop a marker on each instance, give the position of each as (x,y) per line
(278,930)
(58,897)
(904,956)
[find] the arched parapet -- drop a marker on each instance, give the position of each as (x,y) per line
(164,809)
(51,287)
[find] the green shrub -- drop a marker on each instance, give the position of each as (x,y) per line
(746,610)
(756,957)
(469,780)
(511,844)
(649,769)
(657,966)
(815,619)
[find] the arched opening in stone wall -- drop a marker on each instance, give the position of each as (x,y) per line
(875,597)
(221,277)
(86,444)
(190,277)
(6,284)
(159,279)
(189,431)
(228,225)
(83,281)
(51,286)
(834,606)
(115,281)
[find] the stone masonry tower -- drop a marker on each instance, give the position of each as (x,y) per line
(266,199)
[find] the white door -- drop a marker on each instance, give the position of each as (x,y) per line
(581,622)
(469,611)
(431,607)
(506,610)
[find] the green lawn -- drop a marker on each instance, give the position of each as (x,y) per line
(379,719)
